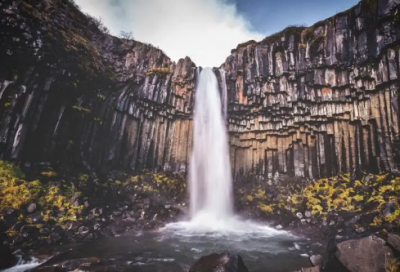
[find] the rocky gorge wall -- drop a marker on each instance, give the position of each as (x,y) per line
(317,101)
(307,102)
(71,93)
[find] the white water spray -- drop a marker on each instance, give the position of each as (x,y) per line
(224,94)
(210,178)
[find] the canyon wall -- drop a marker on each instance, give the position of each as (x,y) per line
(316,101)
(307,102)
(70,93)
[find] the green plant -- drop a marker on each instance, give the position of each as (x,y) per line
(98,120)
(81,109)
(158,71)
(101,96)
(391,264)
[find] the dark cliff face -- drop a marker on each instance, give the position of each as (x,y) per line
(307,101)
(320,100)
(70,93)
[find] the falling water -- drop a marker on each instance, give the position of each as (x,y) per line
(224,94)
(210,181)
(210,175)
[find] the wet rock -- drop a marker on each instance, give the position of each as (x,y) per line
(389,208)
(36,218)
(31,208)
(30,231)
(224,262)
(82,231)
(299,215)
(71,265)
(44,231)
(369,254)
(7,258)
(316,260)
(96,227)
(116,213)
(360,230)
(73,226)
(394,241)
(54,238)
(10,218)
(310,269)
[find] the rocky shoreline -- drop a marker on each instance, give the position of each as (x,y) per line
(59,211)
(45,212)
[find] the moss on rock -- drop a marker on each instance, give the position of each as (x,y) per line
(377,197)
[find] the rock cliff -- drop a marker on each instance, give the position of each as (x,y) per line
(316,101)
(307,102)
(71,93)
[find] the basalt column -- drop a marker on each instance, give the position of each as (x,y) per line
(317,101)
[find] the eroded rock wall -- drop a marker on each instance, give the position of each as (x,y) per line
(316,101)
(307,102)
(71,93)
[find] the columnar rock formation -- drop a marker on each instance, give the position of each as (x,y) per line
(72,93)
(316,101)
(307,101)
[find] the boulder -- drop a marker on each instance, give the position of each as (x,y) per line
(316,260)
(223,262)
(31,207)
(310,269)
(394,241)
(368,254)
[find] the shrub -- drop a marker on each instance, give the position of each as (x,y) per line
(128,35)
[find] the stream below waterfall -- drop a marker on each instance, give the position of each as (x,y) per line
(174,249)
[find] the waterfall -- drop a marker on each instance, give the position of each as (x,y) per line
(210,180)
(224,94)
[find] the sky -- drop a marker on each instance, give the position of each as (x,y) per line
(207,30)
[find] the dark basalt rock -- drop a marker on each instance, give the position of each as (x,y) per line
(316,260)
(219,262)
(305,102)
(310,269)
(394,240)
(8,259)
(366,254)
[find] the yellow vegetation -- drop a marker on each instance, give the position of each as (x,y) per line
(49,174)
(249,198)
(265,208)
(368,195)
(392,265)
(16,193)
(158,71)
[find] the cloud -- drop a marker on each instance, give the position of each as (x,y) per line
(204,30)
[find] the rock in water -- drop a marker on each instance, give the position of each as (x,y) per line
(216,262)
(369,254)
(310,269)
(316,260)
